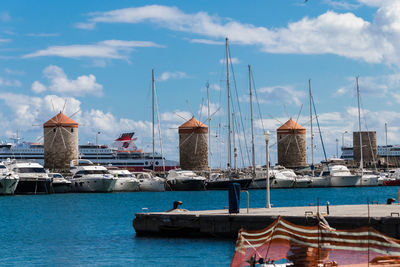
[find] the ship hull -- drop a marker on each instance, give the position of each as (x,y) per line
(33,186)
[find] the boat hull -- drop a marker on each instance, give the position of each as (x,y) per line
(282,183)
(8,185)
(344,181)
(126,185)
(93,185)
(185,185)
(320,182)
(368,180)
(152,185)
(224,184)
(33,186)
(61,187)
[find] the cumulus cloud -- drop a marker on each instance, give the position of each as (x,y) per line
(283,94)
(342,34)
(38,87)
(165,76)
(112,49)
(59,83)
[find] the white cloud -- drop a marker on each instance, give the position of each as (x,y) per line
(38,87)
(215,87)
(343,4)
(206,41)
(282,94)
(5,40)
(233,60)
(176,116)
(113,49)
(342,34)
(59,83)
(43,34)
(165,76)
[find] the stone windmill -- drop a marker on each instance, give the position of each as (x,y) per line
(60,142)
(193,145)
(291,140)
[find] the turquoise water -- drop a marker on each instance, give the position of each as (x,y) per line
(96,229)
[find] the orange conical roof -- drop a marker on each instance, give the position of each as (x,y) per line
(193,125)
(291,127)
(60,120)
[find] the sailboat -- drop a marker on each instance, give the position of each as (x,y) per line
(367,177)
(223,183)
(320,181)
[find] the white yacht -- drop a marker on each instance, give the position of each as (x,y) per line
(59,184)
(88,177)
(8,180)
(33,178)
(126,181)
(282,177)
(148,182)
(368,178)
(180,180)
(320,181)
(339,176)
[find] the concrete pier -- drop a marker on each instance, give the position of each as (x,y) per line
(219,223)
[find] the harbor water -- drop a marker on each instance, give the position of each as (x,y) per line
(96,229)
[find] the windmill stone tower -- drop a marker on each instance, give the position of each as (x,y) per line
(60,142)
(291,144)
(193,145)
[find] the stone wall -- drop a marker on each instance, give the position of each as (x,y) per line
(192,156)
(292,150)
(59,153)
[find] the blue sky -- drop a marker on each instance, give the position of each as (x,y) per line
(98,56)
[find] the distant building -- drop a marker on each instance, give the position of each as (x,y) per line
(384,153)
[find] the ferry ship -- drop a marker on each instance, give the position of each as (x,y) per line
(122,154)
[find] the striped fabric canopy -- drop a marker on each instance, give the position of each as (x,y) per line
(318,245)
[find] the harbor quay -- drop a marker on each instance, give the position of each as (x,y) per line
(222,224)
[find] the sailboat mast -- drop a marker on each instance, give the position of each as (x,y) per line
(253,163)
(359,127)
(152,109)
(387,149)
(208,120)
(229,106)
(312,135)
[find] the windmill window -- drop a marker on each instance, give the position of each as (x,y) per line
(72,130)
(54,129)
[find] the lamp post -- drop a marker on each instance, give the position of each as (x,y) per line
(266,137)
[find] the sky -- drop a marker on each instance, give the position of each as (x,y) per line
(93,61)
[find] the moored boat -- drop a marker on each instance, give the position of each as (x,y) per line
(88,177)
(33,178)
(8,180)
(125,180)
(182,180)
(59,184)
(150,183)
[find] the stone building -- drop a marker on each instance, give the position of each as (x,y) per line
(291,140)
(193,145)
(60,142)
